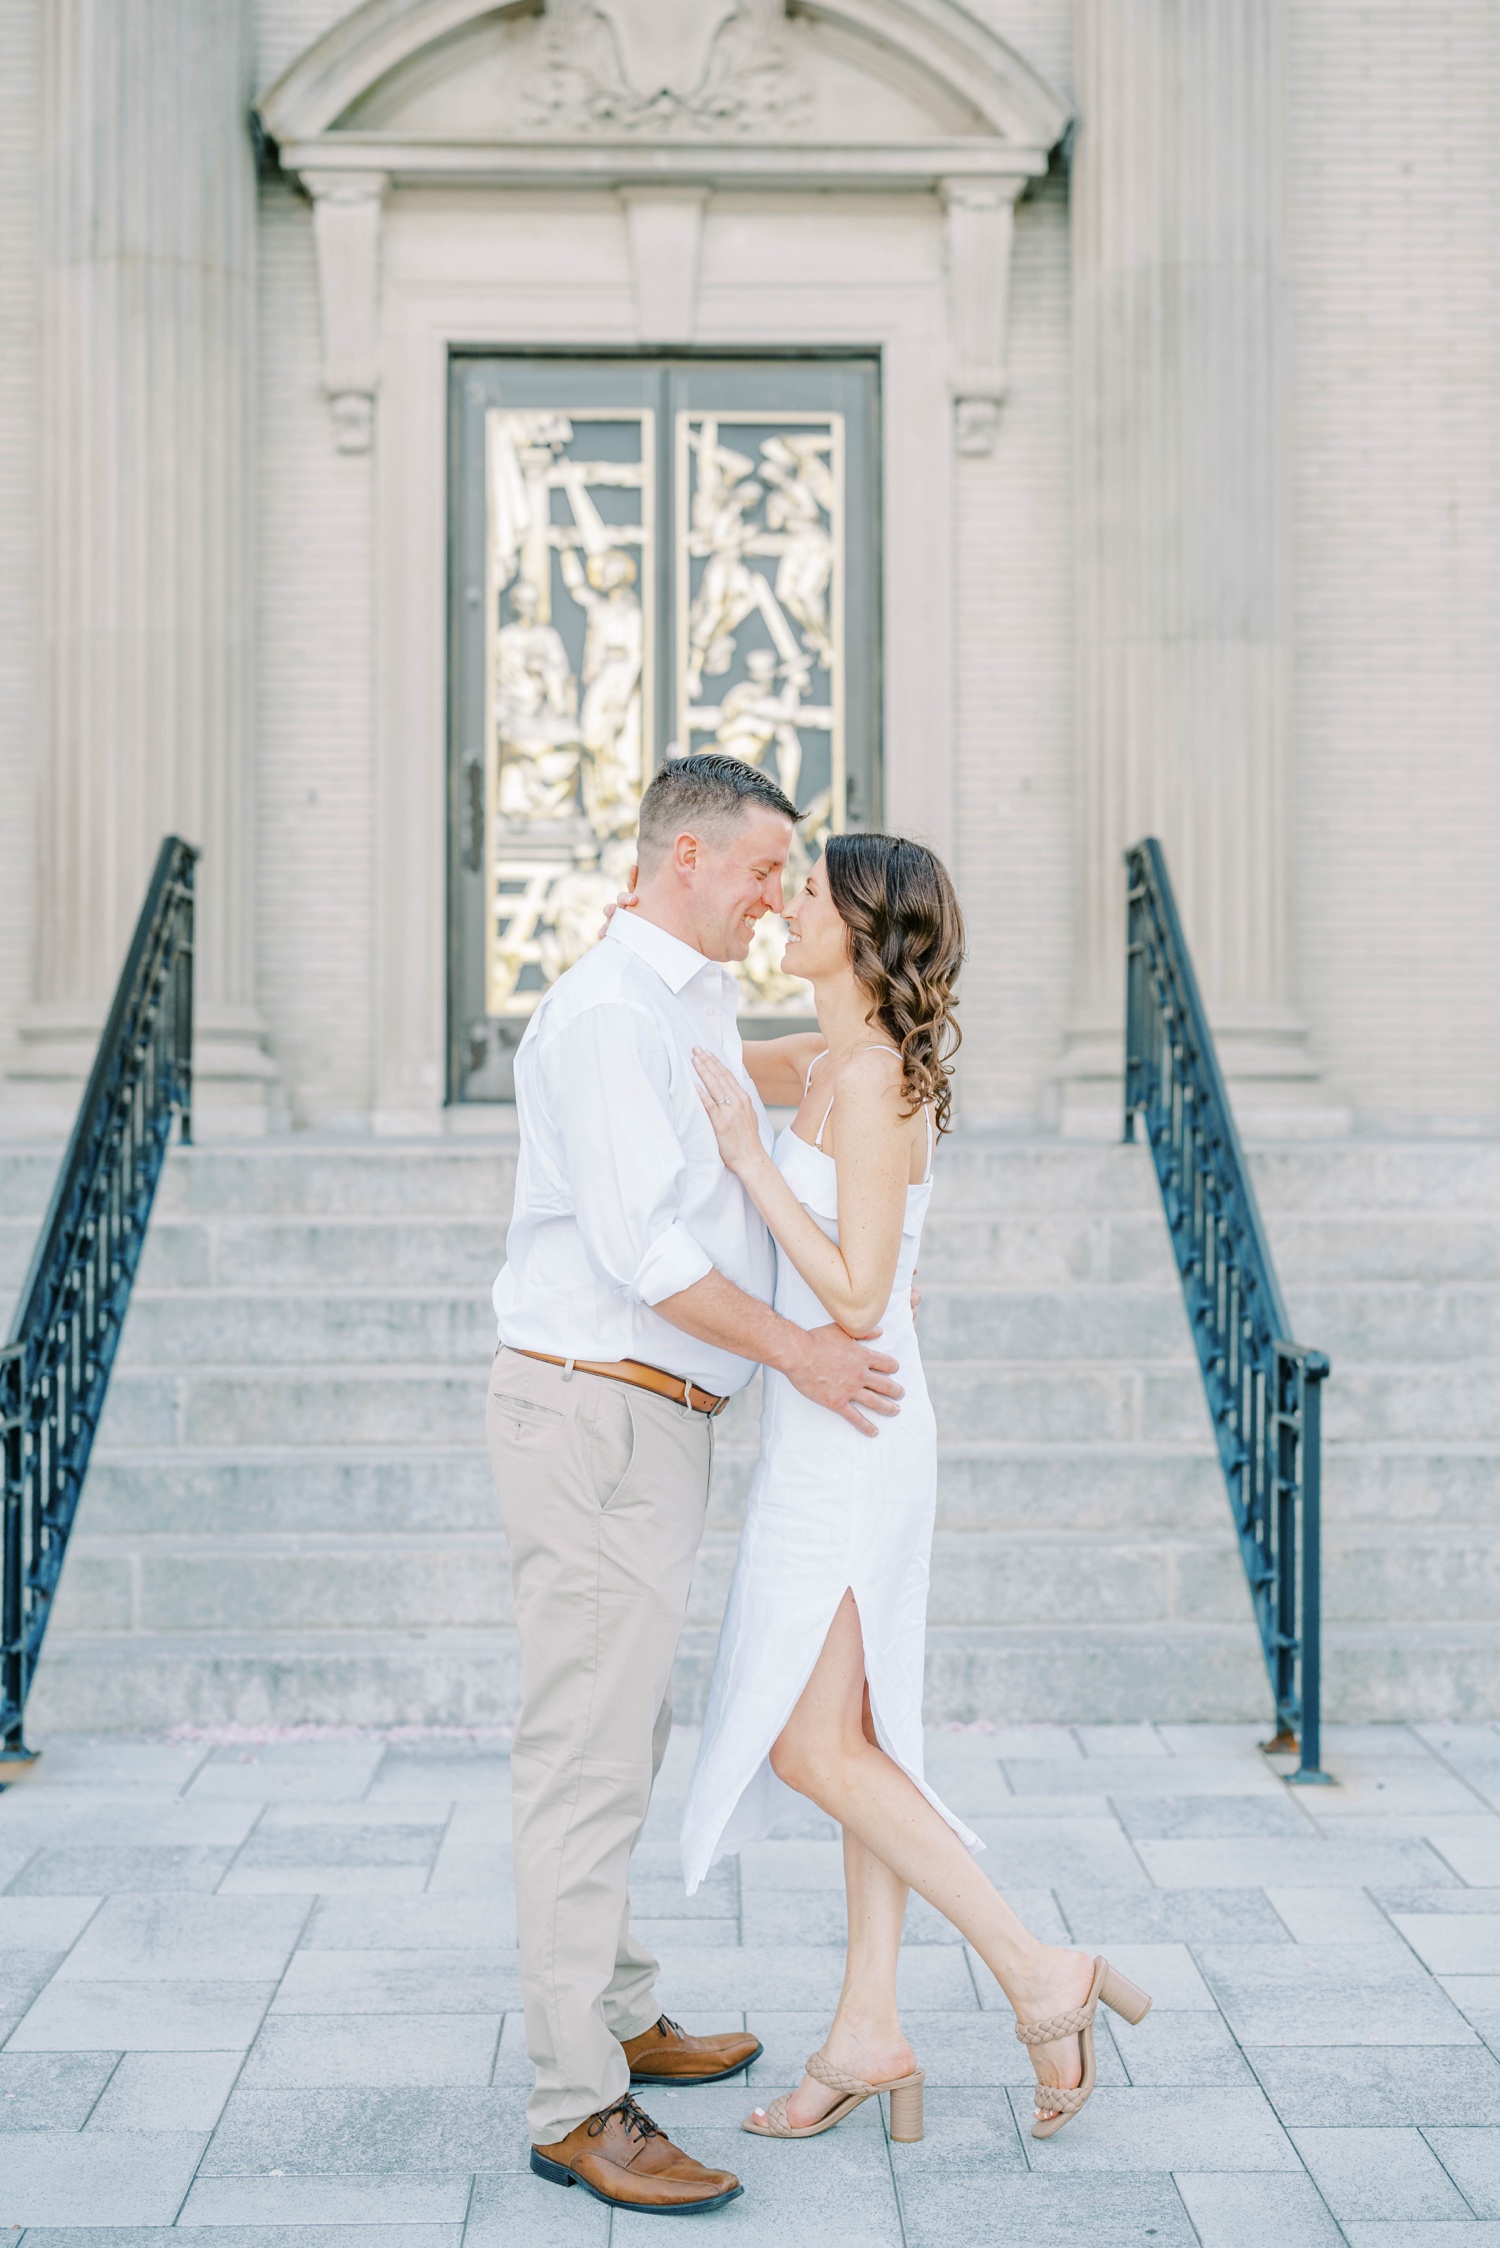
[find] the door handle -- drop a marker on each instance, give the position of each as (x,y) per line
(474,815)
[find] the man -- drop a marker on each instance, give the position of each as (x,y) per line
(635,1301)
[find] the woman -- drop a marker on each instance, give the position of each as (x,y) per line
(818,1681)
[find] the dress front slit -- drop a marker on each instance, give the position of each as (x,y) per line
(829,1510)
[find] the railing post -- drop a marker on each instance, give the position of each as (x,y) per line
(13,1749)
(1309,1772)
(182,1023)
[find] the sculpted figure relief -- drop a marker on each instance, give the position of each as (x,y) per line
(802,491)
(757,714)
(610,717)
(535,715)
(724,498)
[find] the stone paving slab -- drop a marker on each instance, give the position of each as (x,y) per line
(248,2236)
(265,1994)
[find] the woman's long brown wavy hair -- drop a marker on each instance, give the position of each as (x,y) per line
(906,946)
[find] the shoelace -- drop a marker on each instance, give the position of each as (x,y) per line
(634,2118)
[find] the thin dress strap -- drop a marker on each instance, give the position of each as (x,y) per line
(871,1046)
(931,1146)
(822,1128)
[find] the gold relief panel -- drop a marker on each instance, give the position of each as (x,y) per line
(569,690)
(758,591)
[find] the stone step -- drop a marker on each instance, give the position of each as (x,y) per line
(1429,1321)
(1459,1401)
(1011,1250)
(1109,1490)
(292,1325)
(301,1174)
(389,1581)
(320,1177)
(267,1326)
(983,1486)
(997,1250)
(1370,1269)
(1086,1674)
(401,1403)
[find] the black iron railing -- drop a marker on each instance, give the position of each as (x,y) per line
(1264,1392)
(55,1366)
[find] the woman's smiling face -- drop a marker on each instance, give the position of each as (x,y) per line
(817,941)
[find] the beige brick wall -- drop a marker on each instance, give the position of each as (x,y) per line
(18,498)
(1014,643)
(1014,640)
(315,729)
(1394,210)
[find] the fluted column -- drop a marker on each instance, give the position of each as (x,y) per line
(146,593)
(1183,564)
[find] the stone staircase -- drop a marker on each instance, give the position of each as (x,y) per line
(289,1516)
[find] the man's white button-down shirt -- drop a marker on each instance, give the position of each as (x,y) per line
(621,1196)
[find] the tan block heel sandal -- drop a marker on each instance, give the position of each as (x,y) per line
(1055,2107)
(906,2104)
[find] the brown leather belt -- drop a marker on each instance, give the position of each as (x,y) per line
(638,1376)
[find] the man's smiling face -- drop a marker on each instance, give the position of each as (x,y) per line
(735,877)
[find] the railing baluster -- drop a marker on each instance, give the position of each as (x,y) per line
(1264,1393)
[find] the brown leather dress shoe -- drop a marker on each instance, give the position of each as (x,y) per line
(665,2054)
(622,2157)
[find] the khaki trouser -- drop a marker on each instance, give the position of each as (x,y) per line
(603,1490)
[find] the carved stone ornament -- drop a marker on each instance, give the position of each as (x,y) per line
(980,231)
(592,80)
(346,232)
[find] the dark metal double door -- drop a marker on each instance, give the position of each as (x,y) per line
(647,557)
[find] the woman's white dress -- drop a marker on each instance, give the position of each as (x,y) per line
(829,1509)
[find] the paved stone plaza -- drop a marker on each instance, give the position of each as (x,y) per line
(266,1993)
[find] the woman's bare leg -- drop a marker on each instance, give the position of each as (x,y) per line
(825,1753)
(866,2038)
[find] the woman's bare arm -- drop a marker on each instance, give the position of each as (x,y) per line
(851,1277)
(777,1067)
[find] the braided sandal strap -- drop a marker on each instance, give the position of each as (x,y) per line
(1061,2025)
(1051,2099)
(822,2070)
(775,2117)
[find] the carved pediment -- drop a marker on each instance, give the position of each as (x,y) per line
(654,70)
(875,73)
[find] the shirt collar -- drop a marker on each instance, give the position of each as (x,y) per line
(675,962)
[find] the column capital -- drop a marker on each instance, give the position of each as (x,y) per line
(346,231)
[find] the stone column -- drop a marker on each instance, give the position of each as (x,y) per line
(146,581)
(1183,564)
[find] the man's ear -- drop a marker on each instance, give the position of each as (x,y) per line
(685,854)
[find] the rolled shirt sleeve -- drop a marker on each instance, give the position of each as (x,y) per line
(610,1093)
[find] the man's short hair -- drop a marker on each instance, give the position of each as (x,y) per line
(709,794)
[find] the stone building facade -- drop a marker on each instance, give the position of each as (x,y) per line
(1027,423)
(1185,323)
